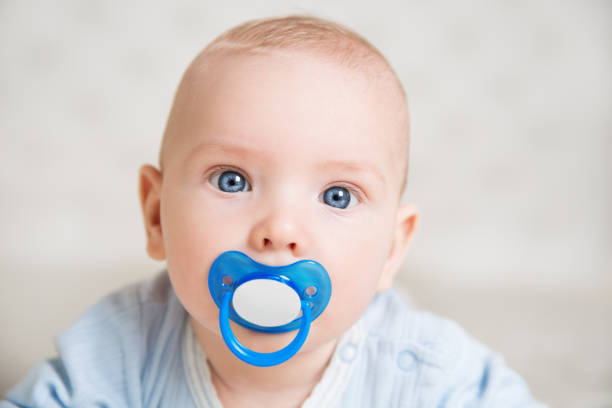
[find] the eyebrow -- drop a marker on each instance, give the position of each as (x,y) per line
(223,147)
(359,168)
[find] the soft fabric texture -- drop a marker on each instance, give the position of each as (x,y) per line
(135,348)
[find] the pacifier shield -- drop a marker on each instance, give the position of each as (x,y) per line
(266,302)
(290,285)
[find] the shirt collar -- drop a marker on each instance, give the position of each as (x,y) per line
(326,393)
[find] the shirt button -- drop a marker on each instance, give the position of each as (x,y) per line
(348,352)
(406,360)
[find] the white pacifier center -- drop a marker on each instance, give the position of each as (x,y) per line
(266,302)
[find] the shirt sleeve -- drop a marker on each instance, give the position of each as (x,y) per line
(496,385)
(122,352)
(96,356)
(45,386)
(480,378)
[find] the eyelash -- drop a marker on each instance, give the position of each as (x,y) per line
(217,171)
(359,196)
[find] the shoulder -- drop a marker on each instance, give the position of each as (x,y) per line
(131,320)
(431,360)
(116,351)
(435,339)
(128,311)
(415,338)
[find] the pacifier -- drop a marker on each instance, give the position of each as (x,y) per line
(269,299)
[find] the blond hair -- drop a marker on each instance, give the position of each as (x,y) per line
(303,33)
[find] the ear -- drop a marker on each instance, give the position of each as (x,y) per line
(405,227)
(149,189)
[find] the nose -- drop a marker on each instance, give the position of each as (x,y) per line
(280,230)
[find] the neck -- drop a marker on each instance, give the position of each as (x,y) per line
(292,379)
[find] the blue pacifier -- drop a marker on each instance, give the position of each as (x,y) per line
(269,299)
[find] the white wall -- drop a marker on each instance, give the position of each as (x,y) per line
(510,154)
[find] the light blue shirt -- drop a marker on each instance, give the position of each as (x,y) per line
(135,349)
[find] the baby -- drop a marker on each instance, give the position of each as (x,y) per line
(286,149)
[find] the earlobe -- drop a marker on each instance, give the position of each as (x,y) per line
(149,189)
(405,227)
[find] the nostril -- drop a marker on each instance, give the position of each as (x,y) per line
(267,243)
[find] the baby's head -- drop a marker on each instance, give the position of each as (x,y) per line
(287,140)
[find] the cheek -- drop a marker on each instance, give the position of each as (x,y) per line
(188,233)
(194,235)
(197,228)
(355,261)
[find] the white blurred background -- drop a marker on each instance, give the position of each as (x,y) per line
(512,133)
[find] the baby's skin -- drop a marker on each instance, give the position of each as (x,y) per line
(282,155)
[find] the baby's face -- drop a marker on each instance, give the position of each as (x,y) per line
(283,157)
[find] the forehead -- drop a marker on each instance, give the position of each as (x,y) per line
(280,102)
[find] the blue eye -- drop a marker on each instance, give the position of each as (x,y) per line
(339,197)
(230,181)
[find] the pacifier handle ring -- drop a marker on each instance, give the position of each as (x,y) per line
(254,357)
